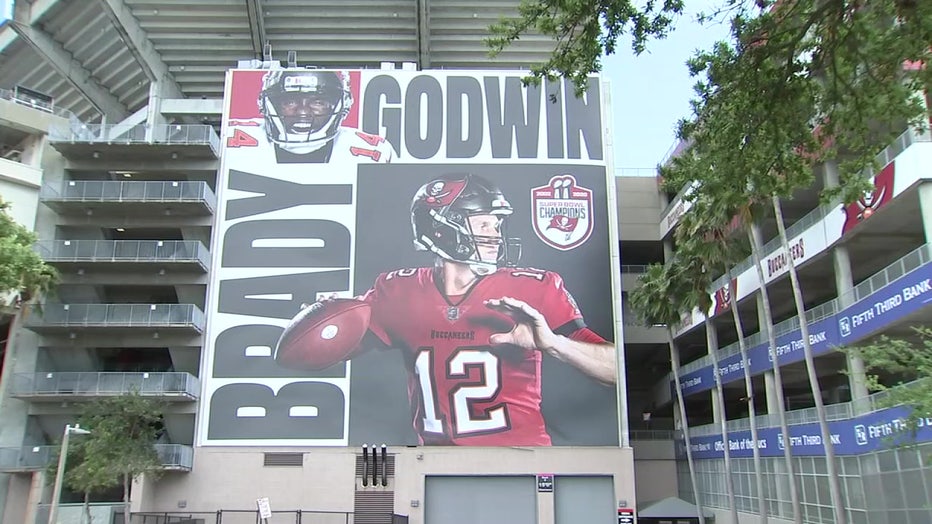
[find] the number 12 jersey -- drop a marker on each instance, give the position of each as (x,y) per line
(464,391)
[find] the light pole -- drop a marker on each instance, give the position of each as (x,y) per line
(60,474)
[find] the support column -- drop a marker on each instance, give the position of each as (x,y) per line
(712,341)
(155,122)
(925,207)
(844,285)
(667,249)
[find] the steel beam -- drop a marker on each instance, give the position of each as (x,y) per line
(256,25)
(63,62)
(138,44)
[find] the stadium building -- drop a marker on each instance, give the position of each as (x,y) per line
(190,224)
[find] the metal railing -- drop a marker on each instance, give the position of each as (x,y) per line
(123,251)
(9,94)
(652,434)
(909,262)
(116,191)
(676,201)
(906,139)
(182,134)
(634,268)
(643,172)
(172,456)
(91,384)
(26,457)
(251,516)
(833,412)
(117,315)
(175,456)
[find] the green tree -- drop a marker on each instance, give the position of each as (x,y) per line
(659,299)
(706,245)
(902,369)
(583,30)
(802,85)
(120,447)
(22,271)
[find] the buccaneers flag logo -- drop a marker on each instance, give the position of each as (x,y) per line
(864,207)
(562,212)
(443,192)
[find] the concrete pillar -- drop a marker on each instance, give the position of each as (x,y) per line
(711,338)
(667,249)
(155,121)
(844,285)
(925,207)
(185,359)
(770,387)
(201,234)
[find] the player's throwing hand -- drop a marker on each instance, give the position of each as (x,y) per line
(531,330)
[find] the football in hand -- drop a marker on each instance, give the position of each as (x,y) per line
(323,334)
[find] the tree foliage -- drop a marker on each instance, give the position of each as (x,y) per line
(21,268)
(120,447)
(583,30)
(800,84)
(891,364)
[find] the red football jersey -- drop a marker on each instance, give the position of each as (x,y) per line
(462,390)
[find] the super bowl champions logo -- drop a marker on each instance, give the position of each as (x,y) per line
(326,179)
(562,212)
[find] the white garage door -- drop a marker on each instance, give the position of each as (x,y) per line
(485,500)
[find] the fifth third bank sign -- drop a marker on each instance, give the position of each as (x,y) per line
(410,258)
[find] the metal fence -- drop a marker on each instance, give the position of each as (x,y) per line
(9,94)
(833,412)
(89,384)
(911,261)
(123,251)
(129,191)
(22,458)
(906,139)
(117,315)
(184,134)
(298,516)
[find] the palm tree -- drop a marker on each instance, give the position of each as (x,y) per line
(834,484)
(723,196)
(658,300)
(711,235)
(700,249)
(749,395)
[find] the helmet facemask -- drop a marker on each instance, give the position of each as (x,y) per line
(444,214)
(303,110)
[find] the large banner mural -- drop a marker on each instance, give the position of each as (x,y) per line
(411,258)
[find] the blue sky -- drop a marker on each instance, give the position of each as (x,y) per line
(651,92)
(6,10)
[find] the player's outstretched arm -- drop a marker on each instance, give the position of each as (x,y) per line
(596,359)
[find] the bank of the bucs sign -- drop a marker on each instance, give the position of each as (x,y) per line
(562,213)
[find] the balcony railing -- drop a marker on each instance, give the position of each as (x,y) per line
(8,94)
(117,315)
(175,456)
(181,134)
(55,385)
(833,412)
(25,458)
(906,139)
(902,266)
(116,191)
(123,251)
